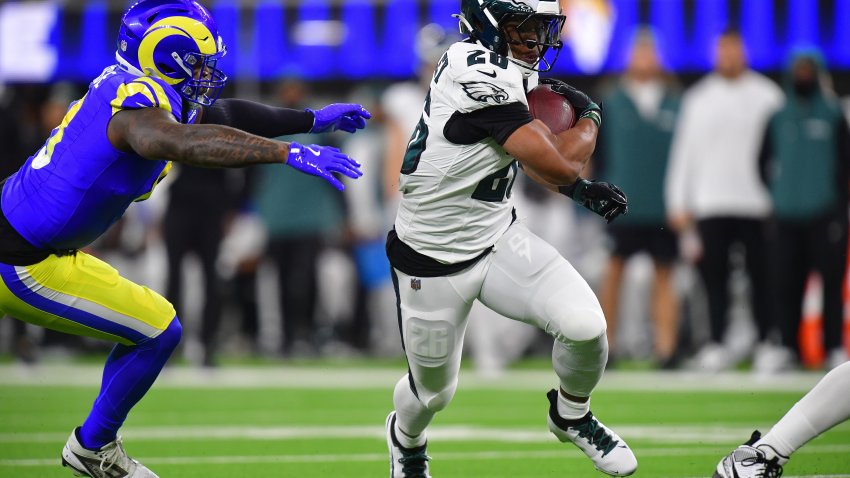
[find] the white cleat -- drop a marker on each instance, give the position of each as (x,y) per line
(110,461)
(609,452)
(748,461)
(405,462)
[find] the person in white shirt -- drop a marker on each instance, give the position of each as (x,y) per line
(713,184)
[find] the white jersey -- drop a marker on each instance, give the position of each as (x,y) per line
(456,199)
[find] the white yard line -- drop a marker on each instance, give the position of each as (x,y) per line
(696,435)
(331,377)
(444,456)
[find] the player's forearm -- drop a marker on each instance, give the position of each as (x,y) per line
(215,146)
(576,145)
(209,146)
(539,179)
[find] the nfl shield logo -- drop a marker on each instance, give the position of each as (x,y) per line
(415,284)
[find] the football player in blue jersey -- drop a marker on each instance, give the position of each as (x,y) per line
(156,105)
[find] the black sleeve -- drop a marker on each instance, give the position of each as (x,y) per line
(497,122)
(257,118)
(766,155)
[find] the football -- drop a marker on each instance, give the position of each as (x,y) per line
(551,108)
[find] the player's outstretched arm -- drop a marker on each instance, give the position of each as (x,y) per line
(153,133)
(271,121)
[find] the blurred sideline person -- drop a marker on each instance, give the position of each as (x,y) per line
(455,239)
(825,406)
(373,326)
(640,115)
(12,156)
(297,237)
(713,185)
(115,144)
(805,163)
(194,222)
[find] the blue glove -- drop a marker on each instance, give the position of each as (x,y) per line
(321,161)
(345,116)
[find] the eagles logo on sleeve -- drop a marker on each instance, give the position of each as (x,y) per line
(484,92)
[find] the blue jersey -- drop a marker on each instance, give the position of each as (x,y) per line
(78,184)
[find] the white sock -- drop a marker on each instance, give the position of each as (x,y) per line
(408,441)
(572,410)
(825,406)
(411,416)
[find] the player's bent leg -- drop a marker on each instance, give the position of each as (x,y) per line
(83,295)
(432,316)
(528,280)
(128,374)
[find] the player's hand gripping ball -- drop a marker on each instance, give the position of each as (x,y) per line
(551,108)
(583,105)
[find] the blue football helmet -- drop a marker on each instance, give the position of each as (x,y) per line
(176,41)
(496,24)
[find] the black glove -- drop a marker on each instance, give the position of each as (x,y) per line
(584,105)
(603,198)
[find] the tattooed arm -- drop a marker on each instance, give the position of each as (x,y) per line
(154,134)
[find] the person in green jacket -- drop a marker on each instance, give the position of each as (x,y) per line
(804,163)
(641,113)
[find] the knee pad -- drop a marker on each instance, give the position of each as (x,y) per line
(574,324)
(435,401)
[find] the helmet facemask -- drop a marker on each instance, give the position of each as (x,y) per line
(206,81)
(536,32)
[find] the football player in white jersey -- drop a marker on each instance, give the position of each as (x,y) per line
(456,238)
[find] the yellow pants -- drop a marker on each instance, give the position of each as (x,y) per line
(82,295)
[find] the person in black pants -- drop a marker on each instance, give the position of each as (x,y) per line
(804,162)
(719,235)
(194,224)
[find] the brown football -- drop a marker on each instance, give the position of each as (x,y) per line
(551,108)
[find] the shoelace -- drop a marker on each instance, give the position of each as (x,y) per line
(596,435)
(772,468)
(112,455)
(413,464)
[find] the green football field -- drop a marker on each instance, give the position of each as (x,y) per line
(325,420)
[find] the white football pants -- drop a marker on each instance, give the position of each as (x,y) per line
(524,279)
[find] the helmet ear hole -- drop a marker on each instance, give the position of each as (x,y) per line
(165,68)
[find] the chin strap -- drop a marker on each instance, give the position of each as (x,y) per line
(463,23)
